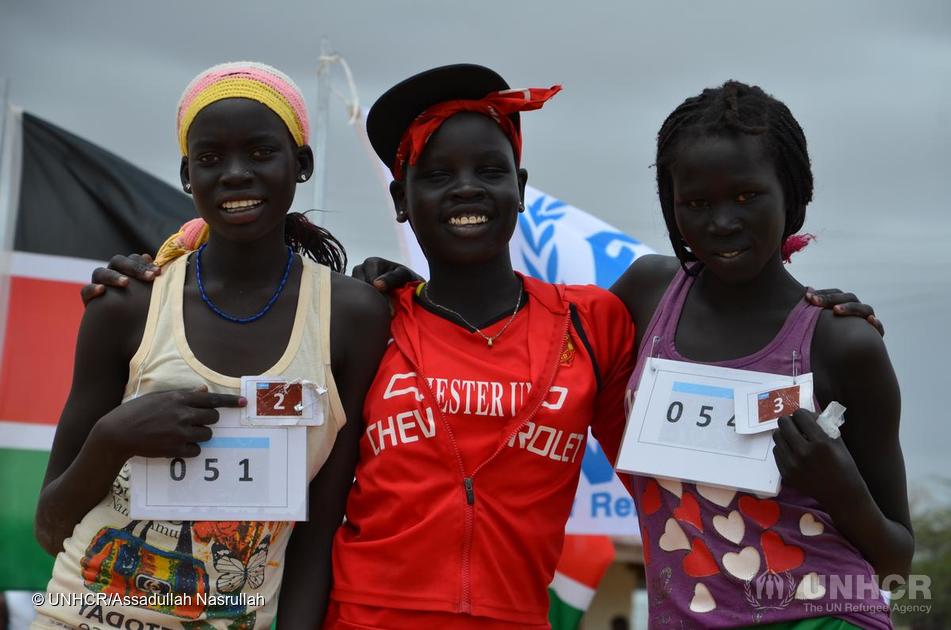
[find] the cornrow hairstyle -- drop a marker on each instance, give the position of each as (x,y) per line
(313,241)
(736,107)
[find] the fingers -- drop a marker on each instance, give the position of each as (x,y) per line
(845,304)
(807,426)
(360,273)
(781,453)
(788,434)
(371,268)
(147,259)
(90,292)
(208,400)
(199,433)
(109,277)
(828,298)
(133,266)
(853,309)
(187,449)
(394,279)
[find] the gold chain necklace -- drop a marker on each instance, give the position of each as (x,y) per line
(488,340)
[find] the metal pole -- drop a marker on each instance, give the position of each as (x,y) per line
(7,210)
(321,122)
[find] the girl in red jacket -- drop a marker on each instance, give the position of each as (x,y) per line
(477,420)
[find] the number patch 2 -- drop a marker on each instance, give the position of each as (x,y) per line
(278,399)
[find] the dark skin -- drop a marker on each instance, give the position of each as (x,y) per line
(727,200)
(239,150)
(454,177)
(470,266)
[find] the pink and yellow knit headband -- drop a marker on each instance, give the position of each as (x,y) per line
(244,79)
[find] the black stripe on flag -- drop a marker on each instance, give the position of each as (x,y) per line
(77,199)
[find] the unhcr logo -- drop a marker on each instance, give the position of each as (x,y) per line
(770,591)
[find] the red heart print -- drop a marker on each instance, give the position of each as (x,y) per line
(699,562)
(764,512)
(650,500)
(780,557)
(689,511)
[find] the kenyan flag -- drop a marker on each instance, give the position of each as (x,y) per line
(584,560)
(66,205)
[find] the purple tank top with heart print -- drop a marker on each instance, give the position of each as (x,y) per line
(718,558)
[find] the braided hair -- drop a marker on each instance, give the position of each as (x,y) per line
(735,108)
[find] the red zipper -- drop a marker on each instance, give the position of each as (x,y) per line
(469,484)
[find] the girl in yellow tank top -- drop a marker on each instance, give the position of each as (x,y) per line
(260,297)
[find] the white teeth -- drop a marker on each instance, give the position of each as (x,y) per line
(730,254)
(241,204)
(469,220)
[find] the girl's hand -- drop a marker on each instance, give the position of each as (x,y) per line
(385,275)
(117,274)
(163,424)
(812,462)
(845,304)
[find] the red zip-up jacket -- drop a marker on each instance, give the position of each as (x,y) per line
(448,516)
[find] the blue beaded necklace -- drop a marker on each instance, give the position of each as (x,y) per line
(231,318)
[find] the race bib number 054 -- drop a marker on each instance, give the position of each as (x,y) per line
(684,425)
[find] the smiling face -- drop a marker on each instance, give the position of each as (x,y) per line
(243,168)
(462,197)
(728,204)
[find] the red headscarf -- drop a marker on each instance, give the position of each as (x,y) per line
(497,105)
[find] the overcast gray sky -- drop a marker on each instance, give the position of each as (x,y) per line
(870,82)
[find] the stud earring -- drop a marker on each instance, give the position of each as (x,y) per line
(187,187)
(521,207)
(302,177)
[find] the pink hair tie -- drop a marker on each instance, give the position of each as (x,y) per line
(795,243)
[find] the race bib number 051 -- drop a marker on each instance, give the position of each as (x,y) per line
(242,473)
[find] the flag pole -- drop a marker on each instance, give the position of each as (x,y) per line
(7,207)
(321,122)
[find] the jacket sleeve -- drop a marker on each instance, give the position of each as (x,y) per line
(610,331)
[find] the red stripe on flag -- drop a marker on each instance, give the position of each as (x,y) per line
(585,559)
(42,322)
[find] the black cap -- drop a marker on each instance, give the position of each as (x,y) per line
(393,112)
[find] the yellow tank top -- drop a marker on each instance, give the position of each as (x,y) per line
(98,578)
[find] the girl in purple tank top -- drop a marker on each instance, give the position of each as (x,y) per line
(734,180)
